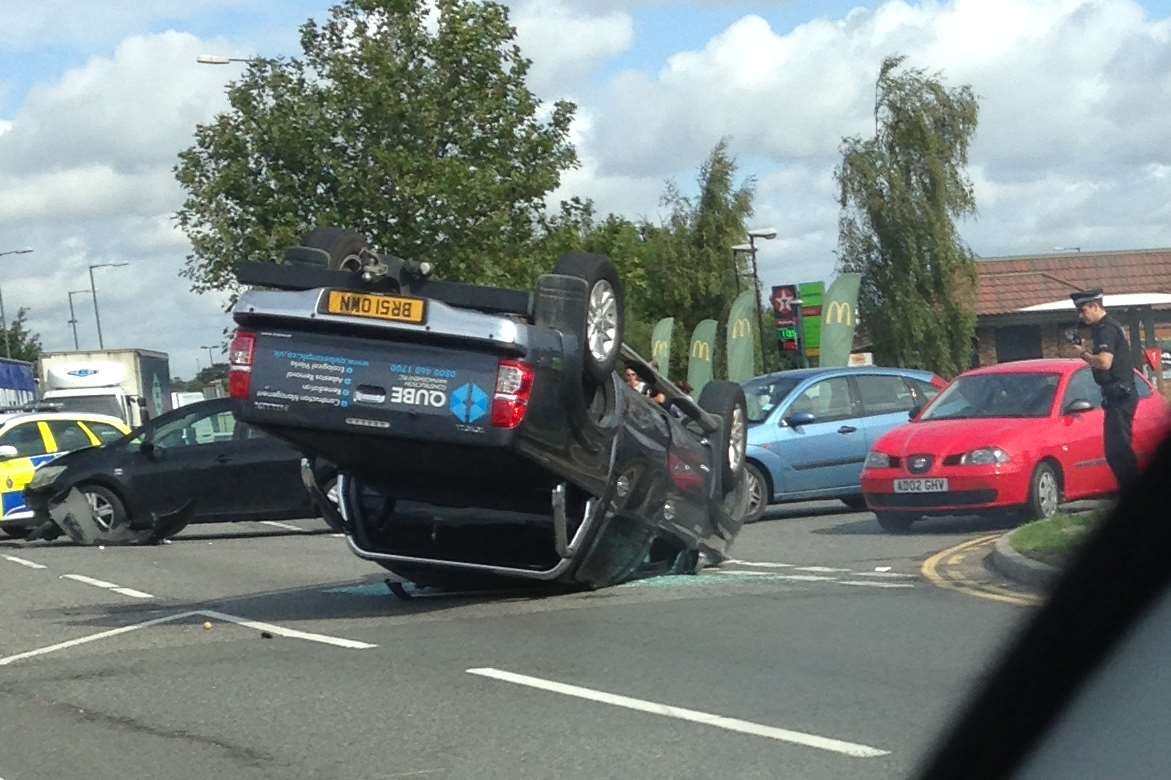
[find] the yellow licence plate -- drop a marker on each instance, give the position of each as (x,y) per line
(380,307)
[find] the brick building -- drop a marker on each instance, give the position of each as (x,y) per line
(1023,304)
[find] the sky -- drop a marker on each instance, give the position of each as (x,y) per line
(1073,147)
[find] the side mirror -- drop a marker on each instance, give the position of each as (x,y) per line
(8,452)
(1077,406)
(799,419)
(913,412)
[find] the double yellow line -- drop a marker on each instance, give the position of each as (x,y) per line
(943,570)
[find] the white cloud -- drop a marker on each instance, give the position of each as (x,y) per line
(85,177)
(35,25)
(1075,115)
(565,44)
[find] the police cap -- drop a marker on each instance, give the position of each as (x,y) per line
(1086,296)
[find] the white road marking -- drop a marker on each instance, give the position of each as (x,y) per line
(285,526)
(132,593)
(694,716)
(821,569)
(762,564)
(93,638)
(254,624)
(890,574)
(23,562)
(137,594)
(791,577)
(864,584)
(291,633)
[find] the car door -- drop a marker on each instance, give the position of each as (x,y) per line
(257,476)
(32,449)
(827,454)
(172,472)
(886,399)
(1083,450)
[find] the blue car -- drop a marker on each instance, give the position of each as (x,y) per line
(810,429)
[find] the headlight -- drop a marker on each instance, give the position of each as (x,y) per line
(985,456)
(45,475)
(877,460)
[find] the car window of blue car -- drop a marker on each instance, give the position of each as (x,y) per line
(765,394)
(922,391)
(884,394)
(26,438)
(827,400)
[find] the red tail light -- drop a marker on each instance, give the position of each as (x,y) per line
(686,476)
(240,356)
(514,388)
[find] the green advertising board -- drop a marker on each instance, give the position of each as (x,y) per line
(812,297)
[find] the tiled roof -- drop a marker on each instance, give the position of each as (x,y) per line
(1007,284)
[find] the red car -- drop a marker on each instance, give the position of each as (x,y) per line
(1023,437)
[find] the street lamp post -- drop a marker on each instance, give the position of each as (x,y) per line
(210,355)
(93,290)
(73,317)
(767,234)
(3,319)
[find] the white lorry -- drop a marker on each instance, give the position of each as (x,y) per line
(132,384)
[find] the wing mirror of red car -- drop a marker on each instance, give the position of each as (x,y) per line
(1077,406)
(913,412)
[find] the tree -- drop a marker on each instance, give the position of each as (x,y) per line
(690,266)
(423,137)
(19,342)
(900,194)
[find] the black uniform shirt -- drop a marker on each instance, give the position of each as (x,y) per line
(1108,336)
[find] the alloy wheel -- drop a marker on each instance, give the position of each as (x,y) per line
(602,321)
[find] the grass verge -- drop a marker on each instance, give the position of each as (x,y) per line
(1052,541)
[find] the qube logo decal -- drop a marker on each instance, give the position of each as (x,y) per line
(469,403)
(82,372)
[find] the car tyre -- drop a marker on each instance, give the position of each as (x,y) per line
(895,522)
(343,246)
(605,312)
(726,399)
(109,511)
(1044,493)
(757,492)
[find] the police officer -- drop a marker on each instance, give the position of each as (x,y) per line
(1113,366)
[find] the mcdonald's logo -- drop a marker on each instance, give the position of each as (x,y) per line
(839,313)
(659,348)
(701,350)
(741,328)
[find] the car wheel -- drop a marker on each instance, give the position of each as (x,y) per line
(1044,493)
(726,399)
(109,511)
(604,321)
(342,246)
(855,502)
(895,522)
(14,531)
(757,492)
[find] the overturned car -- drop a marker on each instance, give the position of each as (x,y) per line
(481,431)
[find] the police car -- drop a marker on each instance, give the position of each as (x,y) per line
(33,436)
